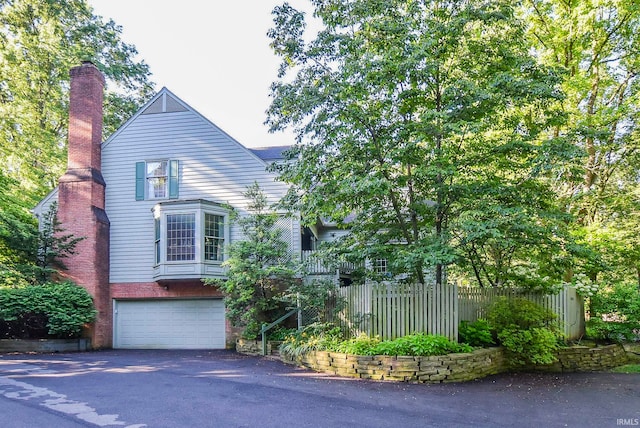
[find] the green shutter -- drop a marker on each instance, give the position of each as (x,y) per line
(173,179)
(140,179)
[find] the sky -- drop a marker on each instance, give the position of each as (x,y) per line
(212,54)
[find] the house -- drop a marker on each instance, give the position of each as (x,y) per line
(152,204)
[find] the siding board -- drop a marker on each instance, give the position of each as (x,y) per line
(212,166)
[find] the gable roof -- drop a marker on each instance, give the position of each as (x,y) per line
(270,153)
(167,102)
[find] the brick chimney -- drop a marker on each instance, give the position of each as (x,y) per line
(81,198)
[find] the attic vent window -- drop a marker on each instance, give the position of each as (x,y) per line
(164,103)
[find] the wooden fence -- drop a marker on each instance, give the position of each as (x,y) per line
(567,305)
(395,310)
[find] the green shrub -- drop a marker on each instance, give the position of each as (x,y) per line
(615,313)
(525,329)
(325,337)
(314,337)
(536,345)
(476,333)
(420,344)
(360,345)
(50,310)
(280,333)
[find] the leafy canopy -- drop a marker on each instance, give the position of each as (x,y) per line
(415,116)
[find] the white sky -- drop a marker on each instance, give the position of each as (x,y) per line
(212,54)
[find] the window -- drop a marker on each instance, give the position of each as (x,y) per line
(380,266)
(156,224)
(156,176)
(213,237)
(157,179)
(181,237)
(190,238)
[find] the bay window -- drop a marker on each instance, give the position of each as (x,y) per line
(190,239)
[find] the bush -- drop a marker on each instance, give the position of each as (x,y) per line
(326,337)
(615,314)
(525,329)
(420,344)
(314,337)
(50,310)
(476,333)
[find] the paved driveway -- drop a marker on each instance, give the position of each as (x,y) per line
(224,389)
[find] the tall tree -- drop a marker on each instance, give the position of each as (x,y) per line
(597,44)
(260,269)
(40,41)
(411,114)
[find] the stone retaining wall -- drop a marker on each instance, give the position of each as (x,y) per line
(44,345)
(446,368)
(254,347)
(452,367)
(586,359)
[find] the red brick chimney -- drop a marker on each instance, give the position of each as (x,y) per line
(81,198)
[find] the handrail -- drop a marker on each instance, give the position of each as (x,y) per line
(267,327)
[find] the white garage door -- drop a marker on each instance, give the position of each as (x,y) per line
(169,324)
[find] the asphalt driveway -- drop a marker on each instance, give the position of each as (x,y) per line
(225,389)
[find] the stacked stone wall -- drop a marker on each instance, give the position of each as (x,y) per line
(453,367)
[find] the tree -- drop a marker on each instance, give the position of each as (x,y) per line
(597,45)
(260,268)
(40,41)
(53,245)
(18,237)
(410,115)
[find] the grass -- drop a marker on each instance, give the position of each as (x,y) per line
(629,368)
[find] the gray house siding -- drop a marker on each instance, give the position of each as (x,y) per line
(212,166)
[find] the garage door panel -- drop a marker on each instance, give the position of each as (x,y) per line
(169,324)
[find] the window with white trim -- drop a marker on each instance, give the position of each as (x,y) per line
(213,237)
(181,237)
(157,179)
(190,239)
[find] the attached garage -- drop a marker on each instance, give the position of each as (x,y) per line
(169,324)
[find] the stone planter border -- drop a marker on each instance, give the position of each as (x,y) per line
(45,345)
(453,367)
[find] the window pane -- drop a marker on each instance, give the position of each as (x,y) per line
(157,169)
(213,237)
(157,187)
(157,239)
(157,179)
(181,231)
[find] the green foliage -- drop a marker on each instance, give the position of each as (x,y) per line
(280,333)
(359,345)
(63,308)
(519,313)
(260,269)
(526,330)
(536,345)
(615,313)
(40,41)
(53,245)
(476,333)
(314,337)
(319,300)
(419,344)
(326,337)
(406,112)
(600,66)
(629,368)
